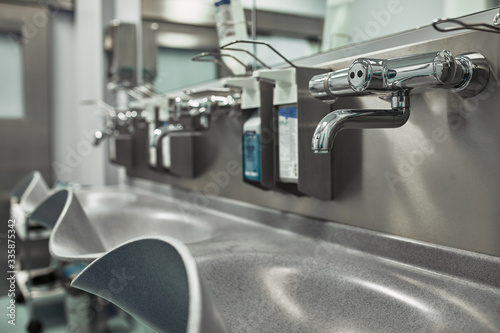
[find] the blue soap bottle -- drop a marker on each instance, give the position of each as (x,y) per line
(251,148)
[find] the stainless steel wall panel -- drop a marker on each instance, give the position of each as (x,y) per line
(435,179)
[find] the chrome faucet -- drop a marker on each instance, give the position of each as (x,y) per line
(334,122)
(100,136)
(191,108)
(200,108)
(161,131)
(116,122)
(465,75)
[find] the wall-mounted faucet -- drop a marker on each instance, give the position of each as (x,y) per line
(198,109)
(179,109)
(465,75)
(117,121)
(162,131)
(192,108)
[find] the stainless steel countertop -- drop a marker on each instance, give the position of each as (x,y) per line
(274,272)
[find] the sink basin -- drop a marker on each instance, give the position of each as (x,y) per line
(120,216)
(345,291)
(89,223)
(264,279)
(290,286)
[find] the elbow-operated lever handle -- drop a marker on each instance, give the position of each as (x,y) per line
(465,74)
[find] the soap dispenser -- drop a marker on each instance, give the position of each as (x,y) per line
(285,105)
(251,139)
(251,148)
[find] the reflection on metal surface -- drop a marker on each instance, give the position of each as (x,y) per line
(394,294)
(99,199)
(276,280)
(460,303)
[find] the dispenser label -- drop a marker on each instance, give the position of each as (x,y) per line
(251,155)
(288,144)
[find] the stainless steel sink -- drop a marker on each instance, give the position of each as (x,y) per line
(266,279)
(120,216)
(112,217)
(291,285)
(295,289)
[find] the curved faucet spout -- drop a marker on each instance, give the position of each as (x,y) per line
(334,122)
(160,132)
(100,136)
